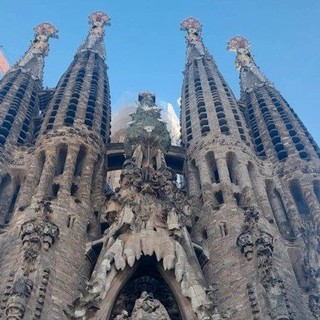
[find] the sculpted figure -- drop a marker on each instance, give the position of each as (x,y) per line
(149,308)
(19,296)
(245,243)
(275,298)
(123,315)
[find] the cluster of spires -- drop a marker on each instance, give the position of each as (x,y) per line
(33,58)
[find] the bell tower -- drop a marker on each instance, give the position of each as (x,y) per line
(55,214)
(294,195)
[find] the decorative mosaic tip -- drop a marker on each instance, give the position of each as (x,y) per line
(46,29)
(146,96)
(237,43)
(99,18)
(190,23)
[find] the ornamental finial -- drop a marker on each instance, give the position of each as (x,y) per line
(42,33)
(33,59)
(238,43)
(193,28)
(147,98)
(98,20)
(250,74)
(241,46)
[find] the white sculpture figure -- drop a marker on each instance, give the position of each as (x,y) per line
(149,308)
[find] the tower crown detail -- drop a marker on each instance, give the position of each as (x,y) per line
(147,134)
(193,38)
(193,28)
(33,59)
(250,74)
(97,21)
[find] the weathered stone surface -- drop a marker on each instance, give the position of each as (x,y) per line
(240,241)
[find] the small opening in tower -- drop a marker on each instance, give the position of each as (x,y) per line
(61,161)
(237,196)
(80,160)
(88,228)
(219,197)
(70,221)
(223,229)
(74,189)
(299,198)
(55,189)
(204,234)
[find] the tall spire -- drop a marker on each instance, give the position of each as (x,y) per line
(87,80)
(33,59)
(276,129)
(195,45)
(208,104)
(94,42)
(250,74)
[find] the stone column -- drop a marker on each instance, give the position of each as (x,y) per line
(226,187)
(69,167)
(47,176)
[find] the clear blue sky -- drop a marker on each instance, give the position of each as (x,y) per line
(146,50)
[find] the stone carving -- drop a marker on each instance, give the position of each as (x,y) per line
(254,239)
(264,244)
(39,48)
(253,299)
(251,216)
(147,137)
(278,307)
(314,305)
(148,308)
(276,296)
(311,268)
(132,291)
(145,217)
(7,293)
(193,28)
(36,234)
(245,243)
(41,293)
(245,61)
(18,299)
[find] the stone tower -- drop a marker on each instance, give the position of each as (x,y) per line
(54,212)
(293,188)
(240,241)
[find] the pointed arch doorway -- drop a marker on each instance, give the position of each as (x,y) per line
(147,275)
